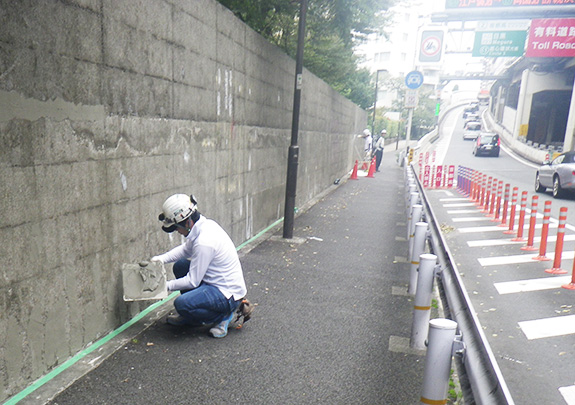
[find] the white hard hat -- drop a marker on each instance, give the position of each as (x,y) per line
(366,132)
(176,209)
(383,131)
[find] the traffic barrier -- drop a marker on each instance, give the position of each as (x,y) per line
(450,176)
(493,197)
(354,172)
(371,168)
(532,221)
(422,301)
(505,206)
(475,187)
(463,180)
(571,285)
(482,191)
(436,372)
(413,201)
(512,213)
(416,215)
(426,176)
(438,176)
(417,250)
(556,269)
(487,195)
(519,237)
(498,202)
(544,233)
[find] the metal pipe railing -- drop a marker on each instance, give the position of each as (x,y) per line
(479,364)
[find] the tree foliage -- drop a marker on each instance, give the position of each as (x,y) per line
(333,29)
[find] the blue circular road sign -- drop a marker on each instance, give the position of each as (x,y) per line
(414,80)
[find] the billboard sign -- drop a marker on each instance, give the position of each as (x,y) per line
(551,38)
(463,4)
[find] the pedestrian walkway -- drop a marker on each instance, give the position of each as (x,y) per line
(331,325)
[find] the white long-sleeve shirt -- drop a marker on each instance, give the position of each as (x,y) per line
(213,260)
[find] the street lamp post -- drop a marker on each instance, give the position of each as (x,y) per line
(293,153)
(375,100)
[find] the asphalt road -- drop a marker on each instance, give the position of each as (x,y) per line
(527,317)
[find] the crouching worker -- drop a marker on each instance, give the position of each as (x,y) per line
(206,266)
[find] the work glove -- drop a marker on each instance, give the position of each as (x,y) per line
(156,259)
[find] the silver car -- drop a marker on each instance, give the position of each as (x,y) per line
(559,175)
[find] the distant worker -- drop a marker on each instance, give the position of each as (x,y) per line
(378,149)
(206,266)
(367,143)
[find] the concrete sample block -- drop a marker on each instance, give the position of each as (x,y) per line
(144,281)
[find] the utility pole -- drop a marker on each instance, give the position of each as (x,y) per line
(293,153)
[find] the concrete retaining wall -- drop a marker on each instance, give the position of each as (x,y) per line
(107,108)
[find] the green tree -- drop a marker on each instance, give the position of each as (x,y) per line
(333,29)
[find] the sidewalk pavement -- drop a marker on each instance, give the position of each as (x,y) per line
(331,324)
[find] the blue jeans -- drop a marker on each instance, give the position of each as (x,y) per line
(202,305)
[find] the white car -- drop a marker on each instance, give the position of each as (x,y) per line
(472,130)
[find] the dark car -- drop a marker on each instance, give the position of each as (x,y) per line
(558,174)
(487,144)
(472,108)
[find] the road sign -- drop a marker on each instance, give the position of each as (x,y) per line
(500,38)
(499,44)
(431,46)
(414,80)
(411,99)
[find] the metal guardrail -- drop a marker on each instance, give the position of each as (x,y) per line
(481,371)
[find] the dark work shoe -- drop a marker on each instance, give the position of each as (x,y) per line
(177,320)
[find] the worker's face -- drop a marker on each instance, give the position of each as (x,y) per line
(184,229)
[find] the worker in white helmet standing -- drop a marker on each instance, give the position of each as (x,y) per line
(367,146)
(378,149)
(206,266)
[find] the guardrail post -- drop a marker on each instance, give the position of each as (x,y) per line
(438,361)
(559,244)
(498,203)
(416,214)
(544,233)
(532,221)
(422,306)
(487,195)
(417,250)
(512,214)
(521,224)
(482,190)
(493,196)
(505,205)
(413,201)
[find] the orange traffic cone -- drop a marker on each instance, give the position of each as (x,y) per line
(371,168)
(354,172)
